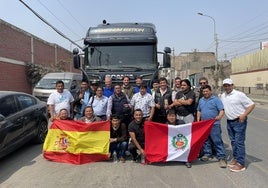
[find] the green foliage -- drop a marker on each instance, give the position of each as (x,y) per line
(35,72)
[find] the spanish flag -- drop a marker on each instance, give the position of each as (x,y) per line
(165,142)
(77,142)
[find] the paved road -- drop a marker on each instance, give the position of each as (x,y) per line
(27,168)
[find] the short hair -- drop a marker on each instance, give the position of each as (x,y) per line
(206,87)
(60,82)
(89,107)
(63,110)
(138,77)
(171,111)
(138,110)
(99,87)
(163,79)
(125,77)
(177,78)
(85,80)
(115,116)
(203,78)
(143,86)
(155,81)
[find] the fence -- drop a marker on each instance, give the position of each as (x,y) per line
(254,90)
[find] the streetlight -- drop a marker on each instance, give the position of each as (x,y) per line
(216,47)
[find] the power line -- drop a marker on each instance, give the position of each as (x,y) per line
(46,22)
(58,19)
(245,41)
(69,12)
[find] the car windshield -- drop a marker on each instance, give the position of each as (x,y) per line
(138,57)
(50,83)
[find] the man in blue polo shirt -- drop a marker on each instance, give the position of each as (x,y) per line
(108,90)
(211,107)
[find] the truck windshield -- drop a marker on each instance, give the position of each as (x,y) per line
(50,83)
(118,57)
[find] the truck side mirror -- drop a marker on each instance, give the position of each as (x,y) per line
(166,58)
(76,58)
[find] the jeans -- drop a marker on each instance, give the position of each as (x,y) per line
(186,119)
(133,149)
(120,148)
(216,139)
(237,136)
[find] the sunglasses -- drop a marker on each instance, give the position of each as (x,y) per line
(202,83)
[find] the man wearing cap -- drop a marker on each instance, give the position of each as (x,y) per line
(237,106)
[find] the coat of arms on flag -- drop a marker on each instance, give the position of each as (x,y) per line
(77,142)
(165,142)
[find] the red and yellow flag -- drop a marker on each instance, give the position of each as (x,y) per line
(77,142)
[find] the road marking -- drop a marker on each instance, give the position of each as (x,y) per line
(258,118)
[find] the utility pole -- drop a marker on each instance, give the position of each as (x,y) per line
(216,49)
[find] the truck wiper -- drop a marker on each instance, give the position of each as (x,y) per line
(136,69)
(101,69)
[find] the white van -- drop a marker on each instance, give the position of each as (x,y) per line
(47,84)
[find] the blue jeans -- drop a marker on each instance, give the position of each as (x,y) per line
(216,139)
(237,136)
(120,148)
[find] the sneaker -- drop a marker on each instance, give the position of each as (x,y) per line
(188,165)
(237,168)
(122,160)
(222,163)
(127,153)
(232,163)
(205,158)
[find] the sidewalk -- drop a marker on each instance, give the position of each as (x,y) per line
(261,99)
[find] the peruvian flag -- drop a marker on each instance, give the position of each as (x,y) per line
(165,142)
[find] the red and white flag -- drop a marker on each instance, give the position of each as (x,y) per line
(165,142)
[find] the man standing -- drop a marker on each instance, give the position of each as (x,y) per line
(163,100)
(82,98)
(145,102)
(99,103)
(237,106)
(108,90)
(139,82)
(119,104)
(177,87)
(127,88)
(202,82)
(211,107)
(60,99)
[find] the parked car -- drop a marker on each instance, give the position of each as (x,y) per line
(23,117)
(47,84)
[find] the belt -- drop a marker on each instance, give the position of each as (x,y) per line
(233,120)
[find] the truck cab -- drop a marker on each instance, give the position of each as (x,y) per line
(121,49)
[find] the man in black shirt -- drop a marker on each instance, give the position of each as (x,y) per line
(136,133)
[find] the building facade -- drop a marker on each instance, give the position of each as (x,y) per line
(250,72)
(18,48)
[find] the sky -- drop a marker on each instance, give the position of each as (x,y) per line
(240,25)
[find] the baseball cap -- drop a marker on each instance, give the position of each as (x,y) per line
(227,81)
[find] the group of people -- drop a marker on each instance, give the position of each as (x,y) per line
(127,107)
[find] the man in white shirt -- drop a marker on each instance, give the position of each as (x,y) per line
(99,103)
(143,101)
(237,106)
(60,99)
